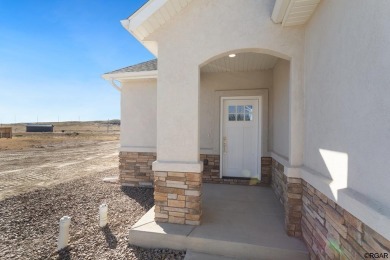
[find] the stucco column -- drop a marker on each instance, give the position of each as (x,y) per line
(177,170)
(296,102)
(177,116)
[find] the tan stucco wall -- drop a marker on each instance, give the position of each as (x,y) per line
(138,128)
(138,115)
(279,112)
(339,104)
(347,64)
(197,35)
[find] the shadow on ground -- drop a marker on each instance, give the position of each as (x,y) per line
(156,253)
(143,196)
(111,240)
(64,254)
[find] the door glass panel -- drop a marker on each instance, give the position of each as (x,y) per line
(240,117)
(240,113)
(232,109)
(248,109)
(248,113)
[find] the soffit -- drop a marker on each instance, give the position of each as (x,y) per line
(248,61)
(293,12)
(150,17)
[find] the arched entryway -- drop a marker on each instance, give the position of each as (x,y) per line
(244,101)
(243,115)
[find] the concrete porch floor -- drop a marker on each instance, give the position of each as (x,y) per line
(244,222)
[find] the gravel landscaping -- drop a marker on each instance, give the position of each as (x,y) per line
(29,222)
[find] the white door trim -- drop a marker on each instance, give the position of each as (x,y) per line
(221,117)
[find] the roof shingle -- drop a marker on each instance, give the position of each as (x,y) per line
(143,66)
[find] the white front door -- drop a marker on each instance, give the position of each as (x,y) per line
(240,138)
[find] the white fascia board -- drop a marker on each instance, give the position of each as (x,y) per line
(132,23)
(279,11)
(143,14)
(131,75)
(149,45)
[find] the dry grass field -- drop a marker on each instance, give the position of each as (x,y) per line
(31,161)
(65,134)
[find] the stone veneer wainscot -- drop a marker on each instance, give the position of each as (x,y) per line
(136,170)
(329,231)
(332,232)
(177,197)
(211,171)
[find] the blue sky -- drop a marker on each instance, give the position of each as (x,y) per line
(53,53)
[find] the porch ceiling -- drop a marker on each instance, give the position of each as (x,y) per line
(248,61)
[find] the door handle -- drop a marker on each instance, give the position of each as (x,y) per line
(224,144)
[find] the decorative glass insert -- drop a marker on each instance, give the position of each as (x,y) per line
(248,109)
(232,109)
(240,113)
(248,113)
(240,109)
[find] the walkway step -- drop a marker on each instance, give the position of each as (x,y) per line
(238,221)
(191,255)
(149,234)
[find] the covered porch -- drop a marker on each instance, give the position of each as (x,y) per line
(223,124)
(246,222)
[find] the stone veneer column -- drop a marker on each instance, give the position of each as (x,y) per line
(289,192)
(177,169)
(177,197)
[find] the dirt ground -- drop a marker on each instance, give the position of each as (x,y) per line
(30,161)
(46,176)
(29,222)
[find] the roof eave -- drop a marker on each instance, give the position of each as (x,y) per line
(148,19)
(124,76)
(279,11)
(132,23)
(128,76)
(143,14)
(149,45)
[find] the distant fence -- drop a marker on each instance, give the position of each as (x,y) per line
(5,132)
